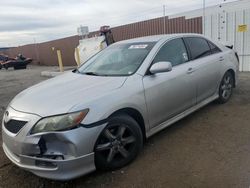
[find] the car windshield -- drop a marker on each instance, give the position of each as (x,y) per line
(117,60)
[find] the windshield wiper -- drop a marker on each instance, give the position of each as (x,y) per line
(94,74)
(75,71)
(91,73)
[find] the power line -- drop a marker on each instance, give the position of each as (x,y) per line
(164,18)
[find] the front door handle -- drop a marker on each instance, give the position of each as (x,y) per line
(190,70)
(221,59)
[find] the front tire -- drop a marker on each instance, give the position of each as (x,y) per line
(226,87)
(119,143)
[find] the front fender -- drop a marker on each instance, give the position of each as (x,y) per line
(130,95)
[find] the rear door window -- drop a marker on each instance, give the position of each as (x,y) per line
(173,51)
(198,47)
(214,48)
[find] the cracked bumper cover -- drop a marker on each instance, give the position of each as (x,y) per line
(72,150)
(56,169)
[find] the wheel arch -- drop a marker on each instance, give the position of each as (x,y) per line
(135,114)
(233,73)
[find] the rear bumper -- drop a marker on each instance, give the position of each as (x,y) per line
(53,169)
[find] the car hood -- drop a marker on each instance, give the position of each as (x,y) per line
(58,95)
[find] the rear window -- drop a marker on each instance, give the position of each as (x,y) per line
(198,47)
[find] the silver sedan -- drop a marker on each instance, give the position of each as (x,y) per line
(98,116)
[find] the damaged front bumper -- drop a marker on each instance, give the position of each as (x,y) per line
(53,169)
(54,155)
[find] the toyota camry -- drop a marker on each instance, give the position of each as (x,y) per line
(99,115)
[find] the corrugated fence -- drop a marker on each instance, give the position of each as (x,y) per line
(42,52)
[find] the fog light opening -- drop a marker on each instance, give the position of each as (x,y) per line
(45,164)
(53,157)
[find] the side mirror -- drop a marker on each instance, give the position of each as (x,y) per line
(162,66)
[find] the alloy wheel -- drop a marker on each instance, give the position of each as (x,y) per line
(116,144)
(227,86)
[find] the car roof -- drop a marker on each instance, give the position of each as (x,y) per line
(156,38)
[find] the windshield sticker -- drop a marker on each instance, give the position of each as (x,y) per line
(138,46)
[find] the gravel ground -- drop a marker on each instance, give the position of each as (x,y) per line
(210,148)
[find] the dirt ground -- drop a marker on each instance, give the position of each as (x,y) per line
(210,148)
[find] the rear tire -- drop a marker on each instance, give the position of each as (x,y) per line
(119,143)
(226,87)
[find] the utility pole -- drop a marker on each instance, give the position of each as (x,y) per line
(204,14)
(36,50)
(164,18)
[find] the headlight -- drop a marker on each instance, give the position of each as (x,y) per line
(60,122)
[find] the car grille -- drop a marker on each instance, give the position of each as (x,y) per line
(14,126)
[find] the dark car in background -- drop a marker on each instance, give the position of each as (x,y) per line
(20,62)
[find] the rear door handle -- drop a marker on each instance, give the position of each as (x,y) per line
(190,70)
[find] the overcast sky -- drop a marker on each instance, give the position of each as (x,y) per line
(27,21)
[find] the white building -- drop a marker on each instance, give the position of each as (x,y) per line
(228,23)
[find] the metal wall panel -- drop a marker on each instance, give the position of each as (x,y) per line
(42,53)
(155,27)
(223,27)
(246,48)
(239,37)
